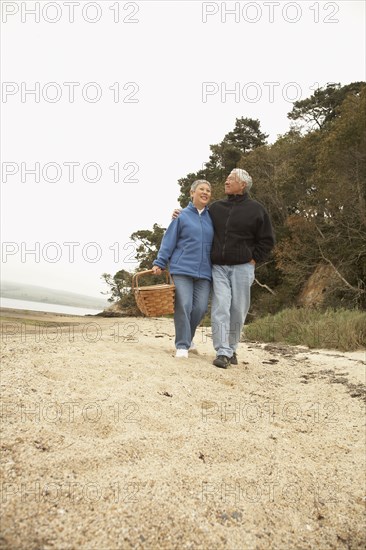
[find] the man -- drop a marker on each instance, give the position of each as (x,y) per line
(243,236)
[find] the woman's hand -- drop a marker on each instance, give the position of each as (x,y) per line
(156,270)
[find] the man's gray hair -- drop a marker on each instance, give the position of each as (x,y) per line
(243,176)
(196,183)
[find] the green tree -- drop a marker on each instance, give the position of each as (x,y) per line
(119,284)
(121,292)
(341,185)
(246,136)
(148,244)
(329,225)
(323,106)
(225,156)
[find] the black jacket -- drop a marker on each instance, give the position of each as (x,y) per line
(243,231)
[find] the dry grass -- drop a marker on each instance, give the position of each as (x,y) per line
(343,330)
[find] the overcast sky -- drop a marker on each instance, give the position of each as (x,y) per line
(105,105)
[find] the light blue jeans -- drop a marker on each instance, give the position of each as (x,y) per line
(230,305)
(191,300)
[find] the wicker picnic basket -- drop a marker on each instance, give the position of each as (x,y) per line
(154,300)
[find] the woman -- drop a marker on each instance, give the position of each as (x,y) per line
(186,245)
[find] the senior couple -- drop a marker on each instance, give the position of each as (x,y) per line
(221,244)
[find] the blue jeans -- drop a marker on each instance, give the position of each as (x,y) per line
(191,300)
(230,305)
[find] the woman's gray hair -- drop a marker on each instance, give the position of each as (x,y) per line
(243,176)
(196,183)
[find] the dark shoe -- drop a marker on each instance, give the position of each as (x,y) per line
(234,359)
(221,361)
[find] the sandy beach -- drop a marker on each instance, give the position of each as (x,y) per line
(109,442)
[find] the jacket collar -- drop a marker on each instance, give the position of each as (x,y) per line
(194,209)
(238,198)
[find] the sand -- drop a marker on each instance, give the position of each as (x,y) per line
(110,442)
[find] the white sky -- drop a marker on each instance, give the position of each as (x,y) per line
(169,52)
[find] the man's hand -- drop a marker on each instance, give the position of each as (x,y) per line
(176,213)
(253,262)
(156,270)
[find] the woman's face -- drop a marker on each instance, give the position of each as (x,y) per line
(201,195)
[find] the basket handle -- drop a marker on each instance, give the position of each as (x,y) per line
(148,271)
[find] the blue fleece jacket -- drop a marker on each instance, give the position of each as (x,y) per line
(186,244)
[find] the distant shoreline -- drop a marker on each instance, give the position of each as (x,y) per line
(15,305)
(20,313)
(49,296)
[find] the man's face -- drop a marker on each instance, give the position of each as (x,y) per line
(233,186)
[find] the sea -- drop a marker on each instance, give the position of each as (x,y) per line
(49,308)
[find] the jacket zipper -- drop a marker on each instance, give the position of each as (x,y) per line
(199,268)
(225,237)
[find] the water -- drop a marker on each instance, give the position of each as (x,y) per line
(50,308)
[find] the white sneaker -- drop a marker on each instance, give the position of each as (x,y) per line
(182,353)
